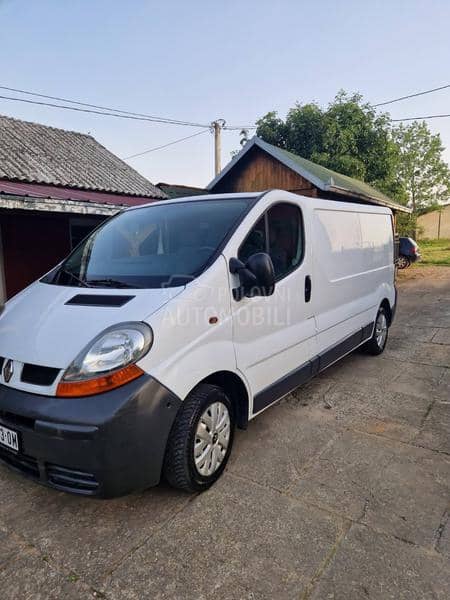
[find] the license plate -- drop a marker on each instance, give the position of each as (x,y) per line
(9,438)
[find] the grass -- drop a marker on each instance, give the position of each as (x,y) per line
(435,252)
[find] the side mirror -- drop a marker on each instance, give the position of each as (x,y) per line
(257,276)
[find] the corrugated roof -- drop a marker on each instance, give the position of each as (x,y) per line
(40,154)
(41,190)
(178,191)
(323,178)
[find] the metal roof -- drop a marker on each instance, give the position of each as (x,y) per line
(321,177)
(36,153)
(177,191)
(41,191)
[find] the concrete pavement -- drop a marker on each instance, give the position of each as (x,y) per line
(341,491)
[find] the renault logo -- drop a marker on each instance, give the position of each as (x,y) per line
(8,370)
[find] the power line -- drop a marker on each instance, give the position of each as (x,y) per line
(96,106)
(443,87)
(166,145)
(109,110)
(421,118)
(100,112)
(238,127)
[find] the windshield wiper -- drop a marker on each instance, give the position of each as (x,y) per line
(74,277)
(113,283)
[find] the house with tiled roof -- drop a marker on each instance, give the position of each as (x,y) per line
(55,187)
(261,166)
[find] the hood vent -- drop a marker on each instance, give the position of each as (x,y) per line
(98,300)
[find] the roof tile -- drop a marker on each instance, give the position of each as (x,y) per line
(40,154)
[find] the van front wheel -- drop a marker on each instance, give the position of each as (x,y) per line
(200,442)
(377,342)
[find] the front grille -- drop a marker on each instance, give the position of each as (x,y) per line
(25,464)
(71,479)
(38,375)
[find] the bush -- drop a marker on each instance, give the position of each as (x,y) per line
(407,225)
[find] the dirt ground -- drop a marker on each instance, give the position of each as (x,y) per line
(341,491)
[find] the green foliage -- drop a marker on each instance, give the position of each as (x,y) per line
(348,136)
(407,225)
(424,174)
(435,252)
(351,137)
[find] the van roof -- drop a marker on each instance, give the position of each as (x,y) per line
(316,202)
(200,198)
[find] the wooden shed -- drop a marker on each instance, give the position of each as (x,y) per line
(260,166)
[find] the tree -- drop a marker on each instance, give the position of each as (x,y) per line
(423,173)
(349,136)
(407,225)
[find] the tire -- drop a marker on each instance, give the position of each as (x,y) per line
(183,465)
(403,262)
(377,342)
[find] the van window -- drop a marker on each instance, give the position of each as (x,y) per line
(279,232)
(255,242)
(155,246)
(285,238)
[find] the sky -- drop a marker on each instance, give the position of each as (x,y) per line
(200,60)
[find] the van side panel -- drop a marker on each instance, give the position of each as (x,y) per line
(187,346)
(353,270)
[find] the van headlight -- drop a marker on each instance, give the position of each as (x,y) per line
(108,361)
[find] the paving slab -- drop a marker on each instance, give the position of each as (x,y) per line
(376,409)
(410,496)
(413,333)
(389,486)
(443,535)
(442,336)
(423,353)
(236,533)
(435,433)
(30,577)
(380,567)
(445,383)
(280,444)
(87,536)
(342,479)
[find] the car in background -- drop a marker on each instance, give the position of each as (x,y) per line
(408,252)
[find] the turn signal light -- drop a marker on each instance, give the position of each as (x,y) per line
(89,387)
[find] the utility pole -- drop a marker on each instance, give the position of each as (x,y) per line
(217,127)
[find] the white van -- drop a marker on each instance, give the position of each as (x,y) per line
(174,322)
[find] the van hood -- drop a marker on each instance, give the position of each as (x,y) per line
(38,326)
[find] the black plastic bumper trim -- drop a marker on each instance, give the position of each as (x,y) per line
(63,430)
(116,439)
(306,371)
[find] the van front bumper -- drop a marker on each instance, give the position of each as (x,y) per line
(105,445)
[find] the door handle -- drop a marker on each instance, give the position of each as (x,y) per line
(307,288)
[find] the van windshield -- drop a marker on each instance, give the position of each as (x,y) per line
(166,245)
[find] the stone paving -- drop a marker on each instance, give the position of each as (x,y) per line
(341,491)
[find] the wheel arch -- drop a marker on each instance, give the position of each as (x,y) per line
(387,307)
(236,390)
